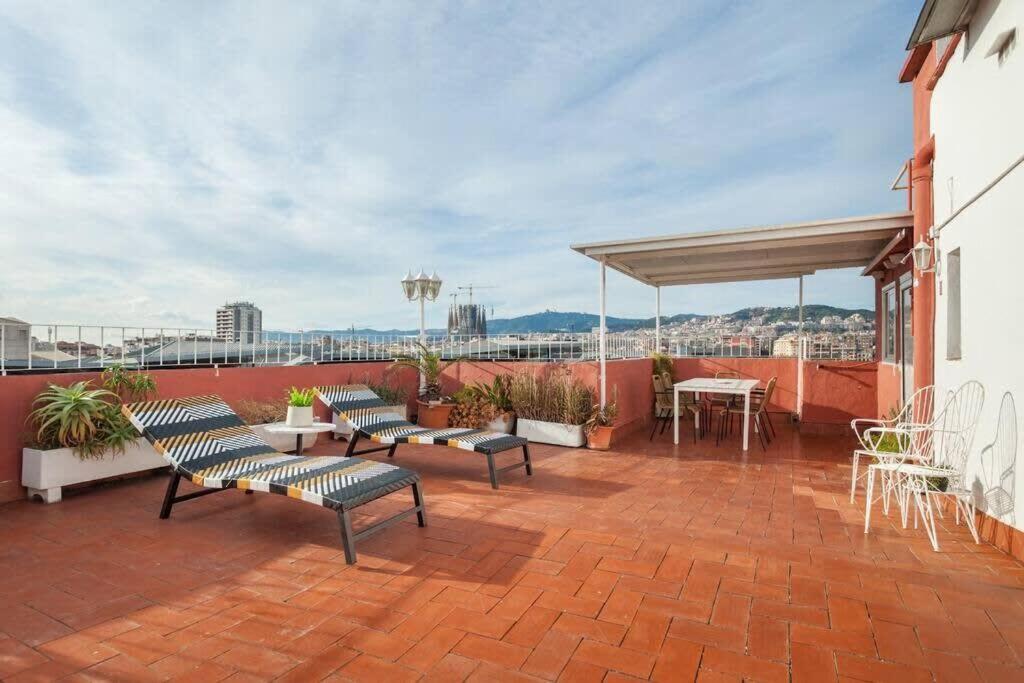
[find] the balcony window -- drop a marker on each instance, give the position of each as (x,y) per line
(889,323)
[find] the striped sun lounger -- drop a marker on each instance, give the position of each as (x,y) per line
(361,409)
(207,443)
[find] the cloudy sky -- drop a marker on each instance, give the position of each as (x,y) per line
(157,159)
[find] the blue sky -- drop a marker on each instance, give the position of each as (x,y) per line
(157,159)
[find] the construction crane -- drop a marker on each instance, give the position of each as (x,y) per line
(470,287)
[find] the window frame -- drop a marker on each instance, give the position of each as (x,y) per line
(889,345)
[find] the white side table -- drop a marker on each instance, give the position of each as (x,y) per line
(315,428)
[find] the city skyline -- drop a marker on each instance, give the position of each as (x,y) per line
(151,172)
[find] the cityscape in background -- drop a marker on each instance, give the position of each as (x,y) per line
(239,337)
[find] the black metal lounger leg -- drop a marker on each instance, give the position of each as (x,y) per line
(391,451)
(417,499)
(172,489)
(347,541)
(526,459)
(490,470)
(352,443)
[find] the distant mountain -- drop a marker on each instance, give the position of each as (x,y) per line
(559,321)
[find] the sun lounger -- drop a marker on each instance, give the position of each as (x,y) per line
(360,409)
(206,442)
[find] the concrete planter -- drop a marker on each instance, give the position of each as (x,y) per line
(342,430)
(554,433)
(299,416)
(43,473)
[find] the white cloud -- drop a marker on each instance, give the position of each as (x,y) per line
(159,159)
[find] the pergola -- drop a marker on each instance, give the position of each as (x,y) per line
(738,255)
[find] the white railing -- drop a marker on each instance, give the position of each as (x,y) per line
(25,347)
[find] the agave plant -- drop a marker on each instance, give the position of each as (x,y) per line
(429,364)
(71,417)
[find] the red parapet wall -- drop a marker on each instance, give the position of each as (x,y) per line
(231,384)
(834,392)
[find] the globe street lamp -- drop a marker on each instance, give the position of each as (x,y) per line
(422,288)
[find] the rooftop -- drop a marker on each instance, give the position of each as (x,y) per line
(652,561)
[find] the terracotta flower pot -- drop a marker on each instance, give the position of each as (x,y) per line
(600,439)
(433,415)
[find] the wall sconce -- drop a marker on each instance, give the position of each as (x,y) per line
(922,253)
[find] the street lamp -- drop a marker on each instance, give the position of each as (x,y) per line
(422,288)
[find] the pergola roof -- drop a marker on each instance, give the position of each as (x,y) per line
(762,253)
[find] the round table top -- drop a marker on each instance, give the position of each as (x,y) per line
(315,428)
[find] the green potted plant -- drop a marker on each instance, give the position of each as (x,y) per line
(601,425)
(496,394)
(79,434)
(300,407)
(433,407)
(552,408)
(261,414)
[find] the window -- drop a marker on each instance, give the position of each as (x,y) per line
(889,323)
(953,305)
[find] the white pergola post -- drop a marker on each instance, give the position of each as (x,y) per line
(657,319)
(602,354)
(800,356)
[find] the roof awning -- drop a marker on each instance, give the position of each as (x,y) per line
(941,18)
(764,253)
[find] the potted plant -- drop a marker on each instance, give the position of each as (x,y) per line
(80,435)
(472,409)
(601,425)
(395,396)
(551,409)
(496,394)
(300,407)
(433,408)
(261,414)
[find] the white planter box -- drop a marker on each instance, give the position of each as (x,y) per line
(551,432)
(43,473)
(342,430)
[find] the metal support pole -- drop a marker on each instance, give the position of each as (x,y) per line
(800,356)
(423,339)
(657,319)
(601,333)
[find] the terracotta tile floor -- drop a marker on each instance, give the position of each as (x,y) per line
(642,563)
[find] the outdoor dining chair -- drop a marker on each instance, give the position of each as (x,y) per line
(664,406)
(758,415)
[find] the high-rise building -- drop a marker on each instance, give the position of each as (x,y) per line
(467,320)
(240,321)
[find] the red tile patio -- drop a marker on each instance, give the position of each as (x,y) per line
(642,563)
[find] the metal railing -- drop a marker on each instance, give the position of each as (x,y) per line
(25,347)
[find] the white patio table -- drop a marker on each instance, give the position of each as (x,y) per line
(738,387)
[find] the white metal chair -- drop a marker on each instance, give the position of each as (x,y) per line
(939,451)
(917,411)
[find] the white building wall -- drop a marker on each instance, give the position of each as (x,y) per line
(977,117)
